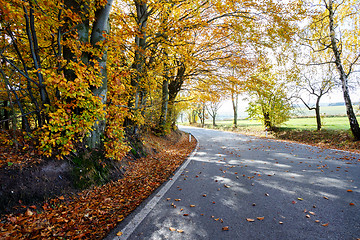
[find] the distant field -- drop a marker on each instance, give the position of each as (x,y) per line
(331,123)
(333,118)
(327,110)
(308,123)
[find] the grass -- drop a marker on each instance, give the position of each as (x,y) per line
(309,123)
(303,123)
(324,110)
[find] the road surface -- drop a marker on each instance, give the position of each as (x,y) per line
(243,187)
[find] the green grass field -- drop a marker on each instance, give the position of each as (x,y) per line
(326,110)
(305,123)
(329,123)
(333,118)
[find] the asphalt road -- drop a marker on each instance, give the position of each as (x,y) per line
(242,187)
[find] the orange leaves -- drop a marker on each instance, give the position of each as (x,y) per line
(107,205)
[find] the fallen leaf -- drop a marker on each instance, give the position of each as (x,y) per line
(29,213)
(168,199)
(352,204)
(260,218)
(185,214)
(325,225)
(180,231)
(317,221)
(227,186)
(280,222)
(300,199)
(312,213)
(307,215)
(349,190)
(192,205)
(266,194)
(326,197)
(293,202)
(61,198)
(225,228)
(172,229)
(178,200)
(204,195)
(119,234)
(250,220)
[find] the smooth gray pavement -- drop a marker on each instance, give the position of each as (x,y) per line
(297,191)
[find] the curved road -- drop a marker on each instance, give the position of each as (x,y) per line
(242,187)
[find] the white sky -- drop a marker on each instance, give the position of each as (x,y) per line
(334,97)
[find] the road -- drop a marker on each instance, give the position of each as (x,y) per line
(243,187)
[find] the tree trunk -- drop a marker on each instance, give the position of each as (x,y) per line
(317,113)
(354,125)
(234,100)
(100,26)
(203,116)
(164,105)
(34,49)
(267,121)
(174,88)
(6,116)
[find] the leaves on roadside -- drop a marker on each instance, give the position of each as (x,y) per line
(107,205)
(250,220)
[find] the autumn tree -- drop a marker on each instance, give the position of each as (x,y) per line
(270,100)
(58,52)
(333,33)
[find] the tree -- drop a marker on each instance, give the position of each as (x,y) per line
(212,107)
(334,34)
(317,88)
(270,102)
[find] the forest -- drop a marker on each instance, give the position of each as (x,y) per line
(94,77)
(86,75)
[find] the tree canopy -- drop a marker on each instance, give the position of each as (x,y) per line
(90,74)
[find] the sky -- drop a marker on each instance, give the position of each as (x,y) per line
(226,110)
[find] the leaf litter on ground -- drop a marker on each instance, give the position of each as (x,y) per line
(90,214)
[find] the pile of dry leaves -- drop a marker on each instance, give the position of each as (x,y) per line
(91,214)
